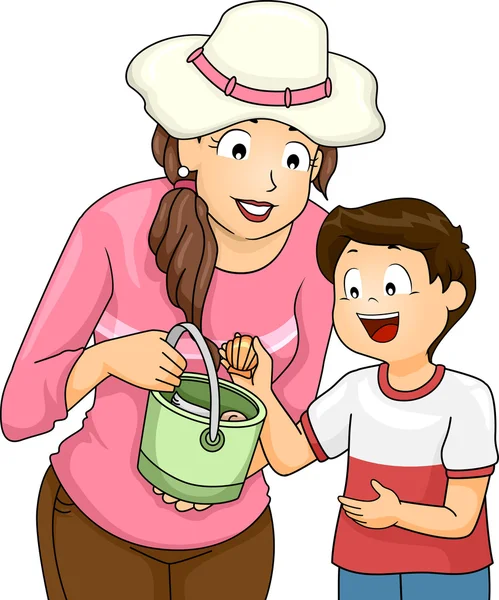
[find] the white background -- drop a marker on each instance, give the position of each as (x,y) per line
(71,131)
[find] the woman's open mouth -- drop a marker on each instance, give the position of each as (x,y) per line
(381,328)
(253,210)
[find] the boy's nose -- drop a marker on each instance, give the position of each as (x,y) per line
(371,298)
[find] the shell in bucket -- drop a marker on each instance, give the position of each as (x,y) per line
(187,455)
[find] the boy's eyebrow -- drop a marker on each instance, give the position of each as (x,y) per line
(253,120)
(292,129)
(393,247)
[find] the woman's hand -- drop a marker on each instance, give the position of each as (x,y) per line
(142,359)
(145,360)
(375,514)
(180,505)
(260,382)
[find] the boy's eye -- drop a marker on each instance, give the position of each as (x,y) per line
(296,157)
(396,281)
(235,144)
(353,284)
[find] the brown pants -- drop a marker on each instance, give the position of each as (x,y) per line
(81,561)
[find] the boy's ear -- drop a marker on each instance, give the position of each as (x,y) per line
(455,295)
(189,153)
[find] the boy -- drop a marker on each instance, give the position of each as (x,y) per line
(420,437)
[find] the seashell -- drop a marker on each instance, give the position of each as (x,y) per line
(241,355)
(232,415)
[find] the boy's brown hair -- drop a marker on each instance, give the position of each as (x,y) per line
(406,222)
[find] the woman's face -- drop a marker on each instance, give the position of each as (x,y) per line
(254,176)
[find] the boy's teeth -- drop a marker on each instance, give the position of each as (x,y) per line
(256,210)
(385,316)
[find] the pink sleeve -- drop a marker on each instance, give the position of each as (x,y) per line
(73,301)
(298,384)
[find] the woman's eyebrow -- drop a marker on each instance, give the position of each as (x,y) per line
(352,250)
(293,129)
(393,247)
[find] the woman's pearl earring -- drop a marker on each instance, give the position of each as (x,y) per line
(183,171)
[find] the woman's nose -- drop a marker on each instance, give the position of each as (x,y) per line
(371,298)
(274,186)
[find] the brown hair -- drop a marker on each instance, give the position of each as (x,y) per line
(181,236)
(407,222)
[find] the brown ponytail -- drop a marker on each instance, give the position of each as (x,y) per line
(182,239)
(181,236)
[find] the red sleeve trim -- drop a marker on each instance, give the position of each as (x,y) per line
(312,438)
(483,472)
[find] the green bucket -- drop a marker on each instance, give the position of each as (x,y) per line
(193,457)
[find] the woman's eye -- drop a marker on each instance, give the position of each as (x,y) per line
(353,284)
(296,157)
(396,281)
(235,144)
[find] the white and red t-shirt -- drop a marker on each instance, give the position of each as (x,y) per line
(411,442)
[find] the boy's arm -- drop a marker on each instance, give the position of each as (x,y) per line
(456,519)
(463,503)
(284,443)
(322,433)
(469,454)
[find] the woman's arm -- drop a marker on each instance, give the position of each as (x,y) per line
(53,369)
(297,386)
(143,359)
(34,397)
(456,519)
(88,371)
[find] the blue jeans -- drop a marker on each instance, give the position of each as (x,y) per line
(414,586)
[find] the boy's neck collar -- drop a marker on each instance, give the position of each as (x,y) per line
(415,394)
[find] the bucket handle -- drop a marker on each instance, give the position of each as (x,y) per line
(172,338)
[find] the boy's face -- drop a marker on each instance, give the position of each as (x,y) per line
(385,306)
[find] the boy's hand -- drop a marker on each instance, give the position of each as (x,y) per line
(240,355)
(260,381)
(375,514)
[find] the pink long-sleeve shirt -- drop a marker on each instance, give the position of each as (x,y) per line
(106,283)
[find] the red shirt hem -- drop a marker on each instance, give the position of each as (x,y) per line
(470,473)
(416,569)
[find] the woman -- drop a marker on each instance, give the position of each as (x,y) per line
(225,241)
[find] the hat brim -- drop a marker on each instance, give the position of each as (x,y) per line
(187,105)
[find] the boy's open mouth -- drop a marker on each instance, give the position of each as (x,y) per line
(253,210)
(381,328)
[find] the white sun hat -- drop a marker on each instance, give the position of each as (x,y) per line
(264,60)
